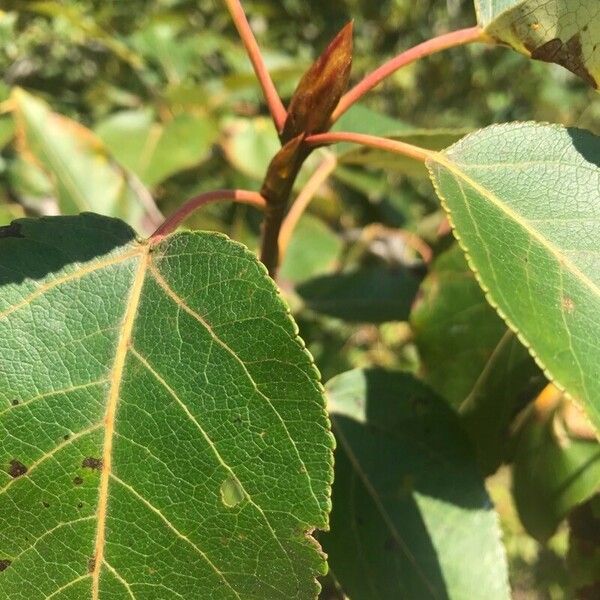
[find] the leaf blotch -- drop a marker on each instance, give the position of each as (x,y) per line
(231,492)
(16,469)
(4,564)
(95,464)
(568,54)
(568,305)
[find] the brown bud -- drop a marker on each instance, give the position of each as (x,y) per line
(280,173)
(320,88)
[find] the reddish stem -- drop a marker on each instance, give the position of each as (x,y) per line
(437,44)
(372,141)
(172,223)
(276,107)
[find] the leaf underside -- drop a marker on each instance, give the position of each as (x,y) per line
(565,32)
(162,429)
(524,200)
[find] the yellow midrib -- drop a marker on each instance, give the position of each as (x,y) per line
(116,378)
(556,252)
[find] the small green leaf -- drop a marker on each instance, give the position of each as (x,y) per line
(154,150)
(250,144)
(84,175)
(162,429)
(524,200)
(7,131)
(360,119)
(368,295)
(553,470)
(493,375)
(313,250)
(411,517)
(559,31)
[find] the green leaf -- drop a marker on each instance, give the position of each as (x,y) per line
(313,250)
(559,31)
(162,429)
(10,211)
(411,517)
(524,200)
(85,176)
(7,131)
(250,144)
(493,375)
(583,559)
(154,150)
(360,119)
(553,471)
(367,295)
(452,308)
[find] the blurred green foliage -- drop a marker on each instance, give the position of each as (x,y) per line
(168,90)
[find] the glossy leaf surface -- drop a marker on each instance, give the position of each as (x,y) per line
(559,31)
(162,429)
(411,518)
(524,200)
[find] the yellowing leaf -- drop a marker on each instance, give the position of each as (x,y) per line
(559,31)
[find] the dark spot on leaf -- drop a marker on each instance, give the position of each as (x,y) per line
(12,230)
(16,469)
(92,463)
(80,505)
(91,564)
(46,504)
(15,402)
(568,54)
(4,564)
(66,436)
(78,480)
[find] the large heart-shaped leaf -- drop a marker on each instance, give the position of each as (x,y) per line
(162,429)
(411,518)
(559,31)
(84,175)
(524,200)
